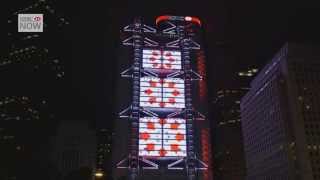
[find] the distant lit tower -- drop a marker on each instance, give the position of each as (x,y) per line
(280,116)
(168,138)
(229,153)
(24,129)
(104,152)
(36,51)
(30,68)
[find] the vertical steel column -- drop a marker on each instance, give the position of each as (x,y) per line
(185,51)
(134,134)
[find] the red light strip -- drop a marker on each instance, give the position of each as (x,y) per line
(193,19)
(206,153)
(187,18)
(162,18)
(202,72)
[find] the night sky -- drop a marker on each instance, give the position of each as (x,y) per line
(238,34)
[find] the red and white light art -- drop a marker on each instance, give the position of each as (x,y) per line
(162,137)
(157,59)
(162,92)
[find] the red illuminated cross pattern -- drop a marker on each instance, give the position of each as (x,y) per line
(149,145)
(155,94)
(159,59)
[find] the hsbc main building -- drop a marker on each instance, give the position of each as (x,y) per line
(162,131)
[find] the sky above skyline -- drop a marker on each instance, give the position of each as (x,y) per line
(238,34)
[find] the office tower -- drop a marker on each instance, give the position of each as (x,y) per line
(228,146)
(37,52)
(74,147)
(104,152)
(25,127)
(167,134)
(280,116)
(31,70)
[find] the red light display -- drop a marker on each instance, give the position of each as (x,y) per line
(157,59)
(202,72)
(206,152)
(162,137)
(187,18)
(162,92)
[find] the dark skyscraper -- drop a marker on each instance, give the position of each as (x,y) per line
(74,147)
(280,116)
(228,146)
(32,72)
(25,125)
(37,51)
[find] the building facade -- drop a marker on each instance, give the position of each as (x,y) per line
(74,147)
(104,152)
(168,136)
(280,116)
(30,68)
(228,142)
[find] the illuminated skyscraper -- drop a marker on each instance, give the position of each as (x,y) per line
(280,116)
(168,136)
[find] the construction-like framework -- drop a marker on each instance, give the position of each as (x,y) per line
(162,115)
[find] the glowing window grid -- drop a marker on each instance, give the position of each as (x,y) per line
(162,137)
(157,59)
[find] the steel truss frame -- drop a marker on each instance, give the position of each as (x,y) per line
(185,44)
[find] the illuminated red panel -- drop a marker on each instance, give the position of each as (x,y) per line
(162,93)
(202,72)
(156,59)
(162,137)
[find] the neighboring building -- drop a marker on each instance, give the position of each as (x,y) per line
(74,147)
(31,74)
(280,117)
(228,147)
(163,135)
(38,53)
(104,152)
(25,127)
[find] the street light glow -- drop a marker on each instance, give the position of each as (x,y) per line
(98,174)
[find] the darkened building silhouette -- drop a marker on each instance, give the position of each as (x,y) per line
(25,125)
(37,52)
(228,146)
(74,147)
(280,116)
(32,70)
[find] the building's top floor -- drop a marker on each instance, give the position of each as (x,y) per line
(290,52)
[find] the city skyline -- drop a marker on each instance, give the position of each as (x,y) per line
(68,68)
